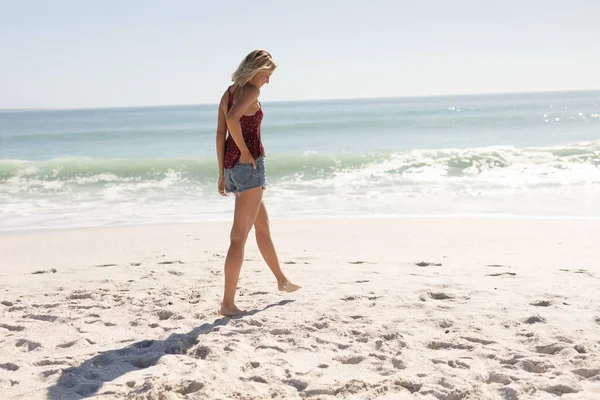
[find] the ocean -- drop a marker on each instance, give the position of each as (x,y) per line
(509,155)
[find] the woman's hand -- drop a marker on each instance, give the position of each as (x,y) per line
(246,158)
(221,186)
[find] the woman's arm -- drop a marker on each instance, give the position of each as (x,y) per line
(248,96)
(222,131)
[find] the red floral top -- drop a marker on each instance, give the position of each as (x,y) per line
(250,132)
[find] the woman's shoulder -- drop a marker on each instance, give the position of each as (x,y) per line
(249,92)
(226,94)
(231,88)
(239,91)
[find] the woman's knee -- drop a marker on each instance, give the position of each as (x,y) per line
(238,235)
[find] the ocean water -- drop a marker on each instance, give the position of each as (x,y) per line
(511,155)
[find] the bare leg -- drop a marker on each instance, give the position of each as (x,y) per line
(267,249)
(246,208)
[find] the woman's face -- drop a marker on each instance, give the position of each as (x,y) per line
(261,78)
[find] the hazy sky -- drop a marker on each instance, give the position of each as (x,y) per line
(70,54)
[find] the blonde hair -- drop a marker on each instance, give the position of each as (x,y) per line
(255,61)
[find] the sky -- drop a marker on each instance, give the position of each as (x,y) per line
(108,53)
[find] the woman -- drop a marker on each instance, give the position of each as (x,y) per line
(242,171)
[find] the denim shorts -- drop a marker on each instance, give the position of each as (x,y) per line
(243,177)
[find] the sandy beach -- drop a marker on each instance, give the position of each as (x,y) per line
(441,308)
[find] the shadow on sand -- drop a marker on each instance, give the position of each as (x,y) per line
(86,379)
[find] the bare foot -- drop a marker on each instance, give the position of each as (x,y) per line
(231,311)
(287,287)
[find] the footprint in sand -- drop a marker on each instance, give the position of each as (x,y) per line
(445,323)
(49,372)
(562,389)
(535,319)
(200,352)
(170,262)
(577,271)
(427,264)
(298,384)
(105,265)
(541,303)
(46,363)
(280,331)
(49,271)
(535,366)
(80,295)
(321,325)
(500,377)
(9,366)
(564,339)
(580,349)
(409,385)
(502,273)
(49,305)
(478,340)
(176,273)
(398,363)
(27,345)
(277,348)
(12,328)
(508,393)
(439,296)
(184,388)
(5,383)
(380,357)
(352,360)
(360,262)
(435,345)
(498,266)
(40,317)
(508,361)
(451,363)
(258,379)
(164,314)
(67,344)
(7,303)
(587,373)
(392,336)
(550,349)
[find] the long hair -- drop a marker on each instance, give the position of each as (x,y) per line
(255,61)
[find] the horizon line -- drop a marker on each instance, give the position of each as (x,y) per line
(297,100)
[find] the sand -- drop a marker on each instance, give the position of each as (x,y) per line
(440,308)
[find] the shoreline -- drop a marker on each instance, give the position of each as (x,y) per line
(228,220)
